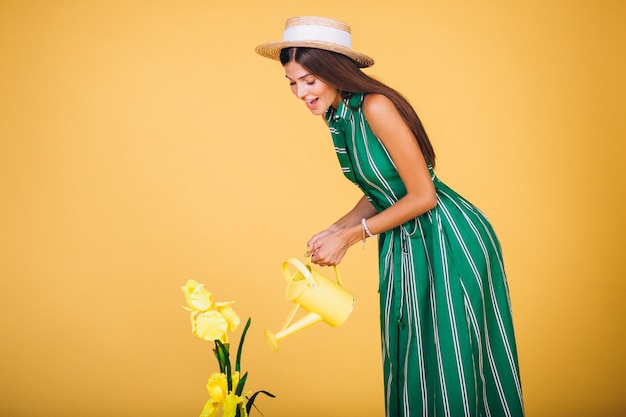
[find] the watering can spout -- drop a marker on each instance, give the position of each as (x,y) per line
(323,299)
(306,321)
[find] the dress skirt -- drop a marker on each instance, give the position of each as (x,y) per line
(447,333)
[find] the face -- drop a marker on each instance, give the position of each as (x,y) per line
(316,94)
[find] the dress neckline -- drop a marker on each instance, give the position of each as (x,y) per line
(345,106)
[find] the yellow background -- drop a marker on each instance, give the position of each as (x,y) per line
(143,143)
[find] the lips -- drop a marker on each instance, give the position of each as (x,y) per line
(311,103)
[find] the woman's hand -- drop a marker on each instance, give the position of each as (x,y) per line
(315,238)
(327,248)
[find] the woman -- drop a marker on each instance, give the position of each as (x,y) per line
(447,334)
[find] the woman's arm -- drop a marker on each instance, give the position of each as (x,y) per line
(389,126)
(362,209)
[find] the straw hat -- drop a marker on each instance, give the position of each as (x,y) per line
(315,32)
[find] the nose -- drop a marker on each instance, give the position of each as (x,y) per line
(301,91)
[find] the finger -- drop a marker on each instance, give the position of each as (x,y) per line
(310,250)
(317,259)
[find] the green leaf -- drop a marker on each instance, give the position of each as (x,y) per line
(240,348)
(241,384)
(222,354)
(226,358)
(253,397)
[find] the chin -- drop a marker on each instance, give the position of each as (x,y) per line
(319,111)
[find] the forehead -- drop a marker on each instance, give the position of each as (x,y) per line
(295,71)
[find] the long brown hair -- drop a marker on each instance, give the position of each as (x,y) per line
(342,72)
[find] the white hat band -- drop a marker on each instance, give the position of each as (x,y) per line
(318,33)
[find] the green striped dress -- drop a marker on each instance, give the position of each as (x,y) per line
(447,335)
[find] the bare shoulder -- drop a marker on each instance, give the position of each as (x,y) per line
(382,115)
(377,104)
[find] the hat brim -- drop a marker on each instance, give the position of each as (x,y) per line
(272,50)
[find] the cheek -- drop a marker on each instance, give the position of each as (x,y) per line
(329,91)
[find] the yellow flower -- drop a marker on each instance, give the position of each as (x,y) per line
(209,320)
(231,404)
(209,326)
(209,409)
(217,387)
(229,314)
(212,321)
(198,298)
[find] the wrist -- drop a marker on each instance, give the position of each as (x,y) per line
(334,228)
(350,234)
(366,230)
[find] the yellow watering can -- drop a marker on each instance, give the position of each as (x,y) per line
(324,299)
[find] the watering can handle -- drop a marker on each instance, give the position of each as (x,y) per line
(305,271)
